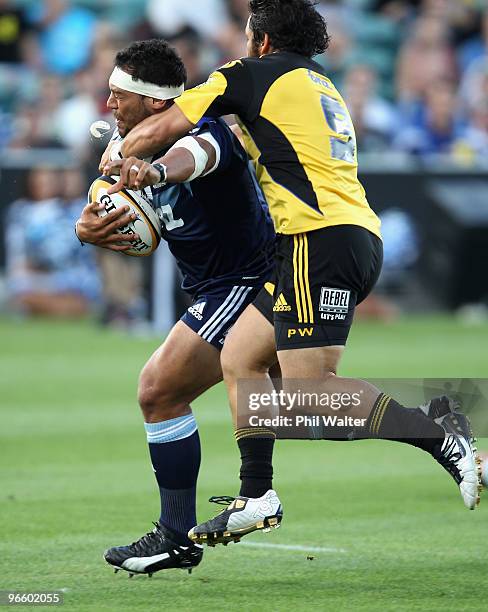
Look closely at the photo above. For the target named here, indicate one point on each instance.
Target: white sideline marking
(294, 547)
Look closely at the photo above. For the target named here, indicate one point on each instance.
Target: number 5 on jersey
(342, 147)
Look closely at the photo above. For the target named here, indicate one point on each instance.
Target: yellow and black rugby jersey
(299, 135)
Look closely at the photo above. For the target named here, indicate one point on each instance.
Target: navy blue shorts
(212, 314)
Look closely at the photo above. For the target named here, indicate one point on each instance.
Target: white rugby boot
(457, 455)
(242, 515)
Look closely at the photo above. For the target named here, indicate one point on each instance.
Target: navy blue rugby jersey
(218, 227)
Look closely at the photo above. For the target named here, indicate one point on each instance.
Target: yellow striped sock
(254, 432)
(378, 412)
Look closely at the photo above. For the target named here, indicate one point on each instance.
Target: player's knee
(156, 398)
(148, 397)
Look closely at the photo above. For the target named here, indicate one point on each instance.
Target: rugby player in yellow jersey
(300, 137)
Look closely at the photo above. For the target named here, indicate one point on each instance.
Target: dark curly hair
(153, 61)
(292, 25)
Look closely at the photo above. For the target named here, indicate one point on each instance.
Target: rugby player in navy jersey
(299, 134)
(217, 226)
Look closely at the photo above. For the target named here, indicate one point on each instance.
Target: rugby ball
(147, 223)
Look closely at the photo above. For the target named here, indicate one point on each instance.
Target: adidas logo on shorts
(281, 305)
(197, 310)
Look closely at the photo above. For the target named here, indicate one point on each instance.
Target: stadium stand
(414, 74)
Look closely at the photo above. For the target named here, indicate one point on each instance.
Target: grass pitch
(383, 525)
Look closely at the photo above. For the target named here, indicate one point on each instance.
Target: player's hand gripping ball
(147, 224)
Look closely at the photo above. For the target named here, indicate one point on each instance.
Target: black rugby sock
(256, 446)
(389, 420)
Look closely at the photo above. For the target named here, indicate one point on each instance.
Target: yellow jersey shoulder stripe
(195, 106)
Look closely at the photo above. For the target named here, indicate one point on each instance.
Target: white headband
(125, 81)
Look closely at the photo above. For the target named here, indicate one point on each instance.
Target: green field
(385, 524)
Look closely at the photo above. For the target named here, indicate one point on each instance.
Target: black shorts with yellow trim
(320, 278)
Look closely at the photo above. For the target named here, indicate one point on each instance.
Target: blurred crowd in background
(414, 74)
